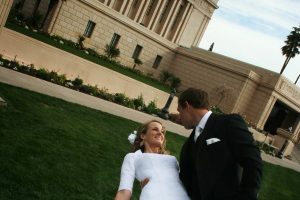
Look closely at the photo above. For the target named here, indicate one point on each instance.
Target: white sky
(254, 31)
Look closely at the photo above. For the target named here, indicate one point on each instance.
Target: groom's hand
(144, 182)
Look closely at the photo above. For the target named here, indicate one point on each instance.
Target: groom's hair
(195, 97)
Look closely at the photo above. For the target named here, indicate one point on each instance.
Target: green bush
(175, 82)
(216, 110)
(111, 51)
(151, 108)
(120, 98)
(89, 89)
(139, 102)
(77, 82)
(165, 76)
(43, 74)
(104, 94)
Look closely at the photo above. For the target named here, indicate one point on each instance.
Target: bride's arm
(123, 195)
(127, 178)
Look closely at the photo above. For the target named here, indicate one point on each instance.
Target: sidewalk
(34, 84)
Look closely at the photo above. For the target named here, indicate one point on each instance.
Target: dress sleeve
(127, 173)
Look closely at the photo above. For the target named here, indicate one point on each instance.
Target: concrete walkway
(37, 85)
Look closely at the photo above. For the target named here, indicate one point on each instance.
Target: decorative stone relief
(290, 91)
(203, 5)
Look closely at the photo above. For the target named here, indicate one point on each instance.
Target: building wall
(5, 7)
(30, 51)
(74, 16)
(156, 25)
(196, 68)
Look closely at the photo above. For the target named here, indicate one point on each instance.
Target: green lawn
(52, 149)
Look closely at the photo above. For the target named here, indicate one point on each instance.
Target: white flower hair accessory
(132, 137)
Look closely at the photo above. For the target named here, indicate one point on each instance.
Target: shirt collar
(204, 119)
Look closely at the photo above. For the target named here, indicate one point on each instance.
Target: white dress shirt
(199, 128)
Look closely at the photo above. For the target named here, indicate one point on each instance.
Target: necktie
(198, 131)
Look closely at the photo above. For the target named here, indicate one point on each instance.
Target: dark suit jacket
(228, 169)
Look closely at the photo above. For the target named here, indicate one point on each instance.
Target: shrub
(174, 82)
(103, 93)
(151, 108)
(165, 76)
(43, 74)
(216, 110)
(111, 51)
(138, 62)
(77, 82)
(89, 89)
(139, 102)
(120, 98)
(81, 38)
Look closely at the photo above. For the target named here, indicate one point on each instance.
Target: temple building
(164, 35)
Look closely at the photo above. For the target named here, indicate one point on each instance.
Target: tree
(291, 47)
(137, 62)
(111, 51)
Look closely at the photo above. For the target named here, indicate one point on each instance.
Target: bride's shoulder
(132, 155)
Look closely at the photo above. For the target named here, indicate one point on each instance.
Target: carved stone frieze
(290, 91)
(204, 5)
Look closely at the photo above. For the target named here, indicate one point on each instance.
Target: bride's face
(154, 136)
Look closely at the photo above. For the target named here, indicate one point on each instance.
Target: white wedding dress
(162, 172)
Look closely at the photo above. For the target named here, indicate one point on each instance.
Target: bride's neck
(151, 149)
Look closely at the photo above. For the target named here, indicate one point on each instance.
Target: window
(115, 40)
(157, 61)
(137, 52)
(89, 28)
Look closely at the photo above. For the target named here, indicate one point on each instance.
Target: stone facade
(158, 26)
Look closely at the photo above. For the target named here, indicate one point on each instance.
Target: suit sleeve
(247, 155)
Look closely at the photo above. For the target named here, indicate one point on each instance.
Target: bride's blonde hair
(138, 142)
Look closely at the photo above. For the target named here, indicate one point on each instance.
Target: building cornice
(207, 7)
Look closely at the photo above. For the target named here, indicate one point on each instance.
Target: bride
(149, 160)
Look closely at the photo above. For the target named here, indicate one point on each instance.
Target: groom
(219, 160)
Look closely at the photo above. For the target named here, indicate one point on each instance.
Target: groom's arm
(247, 155)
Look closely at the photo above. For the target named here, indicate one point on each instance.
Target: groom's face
(185, 116)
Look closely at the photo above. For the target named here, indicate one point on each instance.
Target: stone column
(139, 10)
(55, 15)
(144, 11)
(158, 14)
(265, 114)
(128, 7)
(154, 13)
(182, 20)
(112, 2)
(105, 2)
(172, 19)
(168, 17)
(200, 31)
(4, 11)
(190, 10)
(123, 6)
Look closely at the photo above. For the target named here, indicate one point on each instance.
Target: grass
(123, 70)
(52, 149)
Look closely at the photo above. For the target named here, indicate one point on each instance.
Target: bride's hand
(144, 182)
